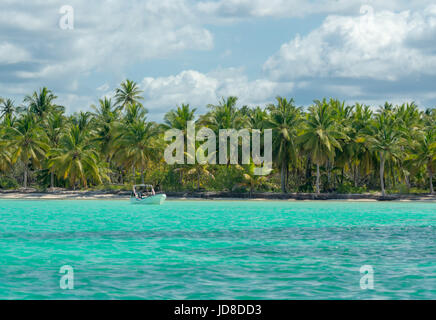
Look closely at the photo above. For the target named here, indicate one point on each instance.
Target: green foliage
(348, 188)
(329, 147)
(8, 183)
(112, 187)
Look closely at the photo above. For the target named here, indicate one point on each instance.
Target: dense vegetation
(329, 147)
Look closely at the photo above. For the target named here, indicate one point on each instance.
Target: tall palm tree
(76, 158)
(179, 118)
(41, 103)
(424, 153)
(82, 120)
(106, 116)
(357, 153)
(224, 115)
(54, 130)
(28, 142)
(408, 117)
(7, 108)
(135, 112)
(258, 118)
(5, 156)
(129, 92)
(343, 115)
(139, 143)
(321, 136)
(385, 138)
(284, 120)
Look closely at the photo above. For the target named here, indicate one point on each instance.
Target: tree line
(327, 147)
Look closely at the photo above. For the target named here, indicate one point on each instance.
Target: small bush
(348, 188)
(8, 183)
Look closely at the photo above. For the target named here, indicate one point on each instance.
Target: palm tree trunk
(318, 191)
(308, 168)
(25, 177)
(283, 176)
(393, 176)
(51, 179)
(382, 173)
(407, 181)
(430, 175)
(356, 174)
(142, 174)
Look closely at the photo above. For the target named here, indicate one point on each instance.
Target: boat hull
(158, 199)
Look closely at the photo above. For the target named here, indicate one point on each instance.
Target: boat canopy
(143, 185)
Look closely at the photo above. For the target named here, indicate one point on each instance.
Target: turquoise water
(217, 250)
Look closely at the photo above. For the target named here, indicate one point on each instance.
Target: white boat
(148, 196)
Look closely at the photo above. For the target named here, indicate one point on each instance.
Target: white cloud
(377, 45)
(199, 89)
(350, 55)
(298, 8)
(10, 53)
(106, 37)
(103, 87)
(75, 102)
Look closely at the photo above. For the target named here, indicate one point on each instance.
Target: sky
(196, 52)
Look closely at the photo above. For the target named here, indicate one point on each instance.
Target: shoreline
(204, 196)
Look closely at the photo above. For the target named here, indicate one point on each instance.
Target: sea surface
(217, 250)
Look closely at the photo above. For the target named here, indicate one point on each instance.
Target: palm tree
(7, 108)
(106, 116)
(357, 153)
(424, 153)
(128, 93)
(321, 136)
(199, 171)
(343, 115)
(76, 158)
(82, 120)
(5, 156)
(225, 115)
(41, 103)
(28, 142)
(258, 118)
(135, 112)
(250, 180)
(285, 120)
(409, 119)
(139, 143)
(179, 118)
(385, 138)
(54, 129)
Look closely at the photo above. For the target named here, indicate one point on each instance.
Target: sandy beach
(124, 195)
